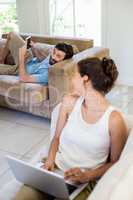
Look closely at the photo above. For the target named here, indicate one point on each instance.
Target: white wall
(118, 35)
(33, 16)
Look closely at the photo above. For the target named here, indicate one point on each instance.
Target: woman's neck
(95, 100)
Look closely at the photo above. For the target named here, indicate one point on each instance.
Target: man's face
(56, 56)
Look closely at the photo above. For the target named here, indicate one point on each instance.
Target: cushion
(123, 190)
(129, 120)
(42, 50)
(129, 145)
(27, 93)
(112, 178)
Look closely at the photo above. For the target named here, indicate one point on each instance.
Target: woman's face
(78, 83)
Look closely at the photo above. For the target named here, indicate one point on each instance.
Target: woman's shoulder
(116, 115)
(117, 120)
(69, 101)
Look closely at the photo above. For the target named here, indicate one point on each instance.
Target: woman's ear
(85, 78)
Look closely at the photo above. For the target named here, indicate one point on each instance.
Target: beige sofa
(105, 188)
(35, 98)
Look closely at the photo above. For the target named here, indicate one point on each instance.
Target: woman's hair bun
(109, 68)
(102, 73)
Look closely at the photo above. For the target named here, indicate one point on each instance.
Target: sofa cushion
(42, 50)
(123, 190)
(129, 120)
(28, 93)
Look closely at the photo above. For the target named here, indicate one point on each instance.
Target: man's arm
(24, 77)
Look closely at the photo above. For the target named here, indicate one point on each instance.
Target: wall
(117, 27)
(33, 16)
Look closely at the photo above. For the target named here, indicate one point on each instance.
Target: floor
(22, 135)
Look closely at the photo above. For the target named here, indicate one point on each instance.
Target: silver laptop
(52, 183)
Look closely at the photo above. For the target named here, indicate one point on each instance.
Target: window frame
(7, 2)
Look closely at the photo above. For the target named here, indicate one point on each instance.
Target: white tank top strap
(106, 117)
(77, 106)
(110, 110)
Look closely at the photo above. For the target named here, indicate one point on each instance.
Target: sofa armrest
(61, 74)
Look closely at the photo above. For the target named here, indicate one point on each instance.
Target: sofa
(38, 99)
(106, 187)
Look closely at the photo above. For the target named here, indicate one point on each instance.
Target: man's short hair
(66, 48)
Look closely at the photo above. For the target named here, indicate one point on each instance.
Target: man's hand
(77, 175)
(27, 55)
(32, 43)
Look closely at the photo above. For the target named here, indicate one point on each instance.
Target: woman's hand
(77, 175)
(49, 165)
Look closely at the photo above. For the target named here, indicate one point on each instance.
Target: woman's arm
(62, 118)
(66, 107)
(118, 137)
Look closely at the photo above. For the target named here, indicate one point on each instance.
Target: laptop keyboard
(71, 188)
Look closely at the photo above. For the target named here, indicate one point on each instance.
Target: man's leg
(5, 51)
(13, 44)
(27, 193)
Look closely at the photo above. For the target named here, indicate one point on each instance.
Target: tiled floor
(22, 135)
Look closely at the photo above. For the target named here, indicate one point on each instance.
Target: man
(31, 69)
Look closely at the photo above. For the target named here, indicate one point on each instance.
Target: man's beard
(52, 61)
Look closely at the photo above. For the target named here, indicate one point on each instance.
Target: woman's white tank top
(82, 144)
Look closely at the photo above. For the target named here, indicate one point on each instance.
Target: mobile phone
(28, 39)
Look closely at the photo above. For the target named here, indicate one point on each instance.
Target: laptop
(52, 183)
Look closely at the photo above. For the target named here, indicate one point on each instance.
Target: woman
(90, 133)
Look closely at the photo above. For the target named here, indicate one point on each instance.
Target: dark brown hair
(66, 48)
(102, 73)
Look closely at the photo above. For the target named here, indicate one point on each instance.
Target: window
(8, 16)
(79, 18)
